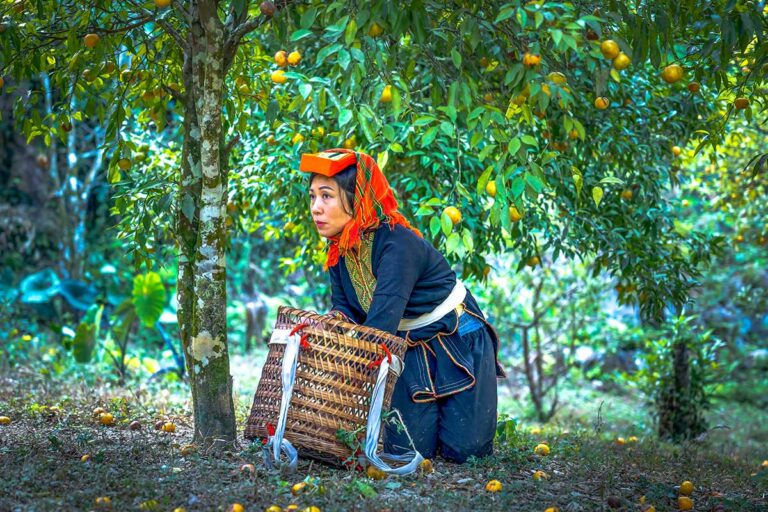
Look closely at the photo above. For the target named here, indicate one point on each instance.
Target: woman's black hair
(346, 179)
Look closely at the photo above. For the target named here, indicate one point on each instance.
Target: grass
(41, 450)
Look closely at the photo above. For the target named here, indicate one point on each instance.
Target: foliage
(684, 396)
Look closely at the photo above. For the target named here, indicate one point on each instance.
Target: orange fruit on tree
(626, 194)
(557, 77)
(609, 48)
(376, 30)
(493, 486)
(684, 503)
(162, 4)
(386, 94)
(514, 214)
(601, 102)
(453, 213)
(350, 142)
(490, 188)
(530, 60)
(278, 76)
(91, 40)
(686, 488)
(573, 134)
(676, 150)
(694, 87)
(488, 97)
(741, 103)
(294, 58)
(281, 58)
(672, 73)
(2, 82)
(124, 164)
(297, 138)
(622, 61)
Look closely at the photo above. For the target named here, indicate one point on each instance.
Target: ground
(52, 427)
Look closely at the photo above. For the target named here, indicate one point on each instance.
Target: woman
(385, 275)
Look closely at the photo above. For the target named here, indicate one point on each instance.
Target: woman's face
(327, 204)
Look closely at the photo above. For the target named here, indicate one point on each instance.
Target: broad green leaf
(148, 297)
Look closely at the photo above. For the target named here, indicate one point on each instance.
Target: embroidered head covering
(374, 203)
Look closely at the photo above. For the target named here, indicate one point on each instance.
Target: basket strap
(411, 459)
(277, 442)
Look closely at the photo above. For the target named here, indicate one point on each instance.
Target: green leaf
(456, 58)
(300, 34)
(505, 13)
(345, 116)
(534, 181)
(308, 18)
(84, 342)
(446, 224)
(350, 32)
(514, 146)
(518, 185)
(434, 226)
(305, 90)
(452, 244)
(597, 195)
(148, 297)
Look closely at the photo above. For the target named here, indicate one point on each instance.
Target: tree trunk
(202, 231)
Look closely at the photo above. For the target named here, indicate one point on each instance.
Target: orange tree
(505, 127)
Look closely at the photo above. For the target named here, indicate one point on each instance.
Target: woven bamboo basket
(333, 386)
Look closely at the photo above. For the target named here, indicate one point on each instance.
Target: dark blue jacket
(397, 274)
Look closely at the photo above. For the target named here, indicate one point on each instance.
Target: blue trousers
(455, 426)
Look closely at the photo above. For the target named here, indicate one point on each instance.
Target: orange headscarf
(374, 203)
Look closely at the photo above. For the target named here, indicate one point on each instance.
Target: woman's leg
(467, 420)
(420, 418)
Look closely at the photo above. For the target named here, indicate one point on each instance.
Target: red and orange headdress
(374, 200)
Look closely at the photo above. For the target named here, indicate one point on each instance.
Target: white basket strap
(277, 442)
(373, 429)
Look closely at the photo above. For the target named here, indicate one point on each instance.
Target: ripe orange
(162, 4)
(297, 489)
(684, 503)
(168, 427)
(488, 97)
(622, 61)
(386, 94)
(106, 418)
(539, 474)
(490, 188)
(426, 466)
(273, 508)
(5, 420)
(278, 76)
(103, 502)
(676, 150)
(453, 213)
(294, 58)
(530, 60)
(602, 103)
(609, 49)
(281, 58)
(493, 486)
(2, 82)
(741, 103)
(694, 87)
(672, 73)
(376, 30)
(91, 40)
(557, 77)
(626, 194)
(686, 488)
(297, 138)
(514, 214)
(573, 134)
(236, 507)
(350, 143)
(375, 473)
(542, 448)
(632, 439)
(124, 164)
(621, 441)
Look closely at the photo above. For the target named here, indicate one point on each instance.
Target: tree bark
(202, 231)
